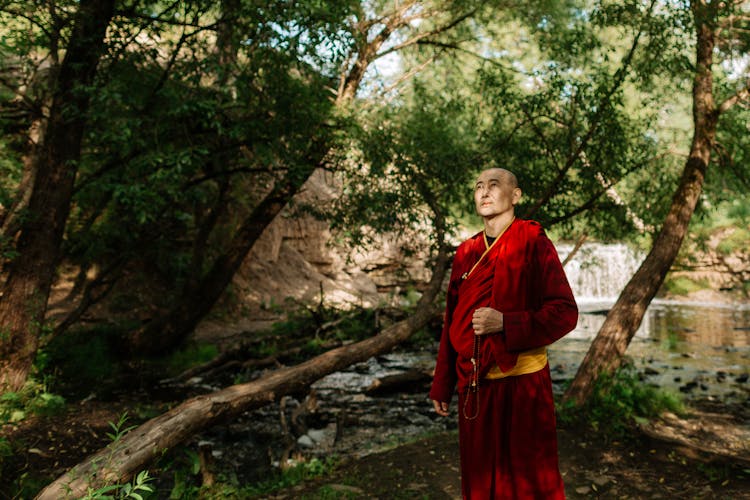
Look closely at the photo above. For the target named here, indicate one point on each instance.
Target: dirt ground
(592, 465)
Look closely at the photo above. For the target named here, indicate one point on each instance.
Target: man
(508, 298)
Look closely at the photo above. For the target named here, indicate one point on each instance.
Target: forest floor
(593, 464)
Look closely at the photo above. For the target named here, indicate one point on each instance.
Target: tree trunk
(607, 349)
(25, 293)
(121, 460)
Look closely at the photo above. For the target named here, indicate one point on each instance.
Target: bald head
(501, 174)
(495, 195)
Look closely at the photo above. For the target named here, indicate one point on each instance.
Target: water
(700, 350)
(697, 348)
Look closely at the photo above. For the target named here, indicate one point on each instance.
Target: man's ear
(516, 195)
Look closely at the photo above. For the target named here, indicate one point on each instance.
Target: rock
(650, 371)
(305, 441)
(583, 490)
(601, 480)
(688, 387)
(343, 488)
(317, 435)
(742, 378)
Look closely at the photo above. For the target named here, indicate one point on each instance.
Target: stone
(305, 441)
(317, 435)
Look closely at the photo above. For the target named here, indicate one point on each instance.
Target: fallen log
(122, 459)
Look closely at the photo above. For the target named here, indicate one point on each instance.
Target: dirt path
(591, 468)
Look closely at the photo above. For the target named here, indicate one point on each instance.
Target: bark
(121, 460)
(608, 348)
(25, 293)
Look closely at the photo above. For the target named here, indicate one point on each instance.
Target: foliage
(136, 489)
(620, 401)
(32, 399)
(189, 356)
(119, 429)
(289, 476)
(324, 322)
(682, 285)
(82, 358)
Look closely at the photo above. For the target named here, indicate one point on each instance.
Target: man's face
(495, 193)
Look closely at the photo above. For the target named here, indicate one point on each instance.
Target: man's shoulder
(529, 227)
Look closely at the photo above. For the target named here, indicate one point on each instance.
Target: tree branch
(604, 104)
(726, 105)
(417, 38)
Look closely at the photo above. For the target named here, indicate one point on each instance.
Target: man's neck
(495, 225)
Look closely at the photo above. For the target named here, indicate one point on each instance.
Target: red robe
(510, 449)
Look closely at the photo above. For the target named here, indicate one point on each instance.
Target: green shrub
(683, 285)
(291, 476)
(192, 355)
(619, 401)
(83, 358)
(33, 398)
(735, 241)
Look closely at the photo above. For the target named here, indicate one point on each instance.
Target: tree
(712, 22)
(407, 23)
(53, 163)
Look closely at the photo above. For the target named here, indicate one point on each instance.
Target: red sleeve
(555, 312)
(445, 378)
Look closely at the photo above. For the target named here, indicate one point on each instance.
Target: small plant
(134, 489)
(119, 428)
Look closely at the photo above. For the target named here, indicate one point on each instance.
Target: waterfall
(599, 272)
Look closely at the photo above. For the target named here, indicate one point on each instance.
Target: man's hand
(487, 320)
(441, 408)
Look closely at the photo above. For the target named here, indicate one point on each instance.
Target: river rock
(305, 441)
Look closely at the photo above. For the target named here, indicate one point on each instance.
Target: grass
(189, 356)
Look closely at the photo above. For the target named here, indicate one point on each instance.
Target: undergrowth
(620, 401)
(32, 399)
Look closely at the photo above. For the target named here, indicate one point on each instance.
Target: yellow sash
(528, 362)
